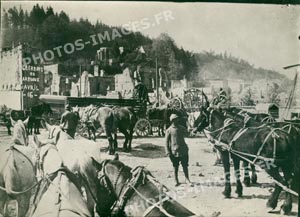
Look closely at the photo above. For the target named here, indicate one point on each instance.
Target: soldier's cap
(173, 117)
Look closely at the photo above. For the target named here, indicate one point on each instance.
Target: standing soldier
(176, 148)
(69, 121)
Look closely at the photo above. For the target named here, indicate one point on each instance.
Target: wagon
(143, 126)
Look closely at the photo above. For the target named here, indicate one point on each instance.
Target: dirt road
(205, 198)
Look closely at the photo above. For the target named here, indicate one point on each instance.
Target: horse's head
(216, 119)
(202, 121)
(45, 162)
(108, 176)
(53, 131)
(20, 135)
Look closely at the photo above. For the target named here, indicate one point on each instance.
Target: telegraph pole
(156, 81)
(80, 80)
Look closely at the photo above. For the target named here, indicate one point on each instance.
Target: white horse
(17, 172)
(77, 157)
(59, 194)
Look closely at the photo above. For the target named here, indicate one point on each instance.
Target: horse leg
(37, 126)
(274, 172)
(286, 207)
(253, 175)
(130, 138)
(226, 166)
(89, 132)
(94, 133)
(110, 144)
(115, 142)
(124, 131)
(246, 173)
(8, 129)
(236, 165)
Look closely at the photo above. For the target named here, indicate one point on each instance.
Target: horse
(125, 120)
(36, 113)
(96, 117)
(17, 171)
(260, 117)
(110, 119)
(77, 157)
(270, 148)
(5, 116)
(163, 113)
(59, 194)
(134, 192)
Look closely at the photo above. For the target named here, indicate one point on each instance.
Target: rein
(49, 178)
(139, 177)
(242, 155)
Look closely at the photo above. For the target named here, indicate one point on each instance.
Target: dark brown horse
(164, 113)
(133, 192)
(35, 114)
(125, 120)
(270, 148)
(95, 117)
(110, 119)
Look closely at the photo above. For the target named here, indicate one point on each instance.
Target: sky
(266, 36)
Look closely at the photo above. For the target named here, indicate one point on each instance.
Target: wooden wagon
(143, 127)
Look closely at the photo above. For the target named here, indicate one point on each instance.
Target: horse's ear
(26, 122)
(96, 164)
(36, 141)
(45, 125)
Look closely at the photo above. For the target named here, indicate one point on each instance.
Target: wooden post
(79, 80)
(156, 81)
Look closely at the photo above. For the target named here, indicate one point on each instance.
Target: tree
(5, 20)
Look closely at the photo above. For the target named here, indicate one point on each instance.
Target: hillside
(44, 29)
(221, 66)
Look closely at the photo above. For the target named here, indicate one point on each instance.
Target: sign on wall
(32, 79)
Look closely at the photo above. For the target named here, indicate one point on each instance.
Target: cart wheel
(155, 125)
(142, 127)
(176, 103)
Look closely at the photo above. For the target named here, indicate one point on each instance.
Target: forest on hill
(44, 29)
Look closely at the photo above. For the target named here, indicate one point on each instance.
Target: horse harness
(139, 177)
(47, 180)
(243, 155)
(17, 193)
(40, 162)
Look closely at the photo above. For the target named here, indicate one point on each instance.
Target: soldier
(140, 92)
(69, 121)
(176, 148)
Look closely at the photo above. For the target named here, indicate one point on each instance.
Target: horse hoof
(246, 182)
(272, 204)
(226, 194)
(285, 209)
(240, 194)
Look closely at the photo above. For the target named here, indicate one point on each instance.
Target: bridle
(47, 179)
(138, 177)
